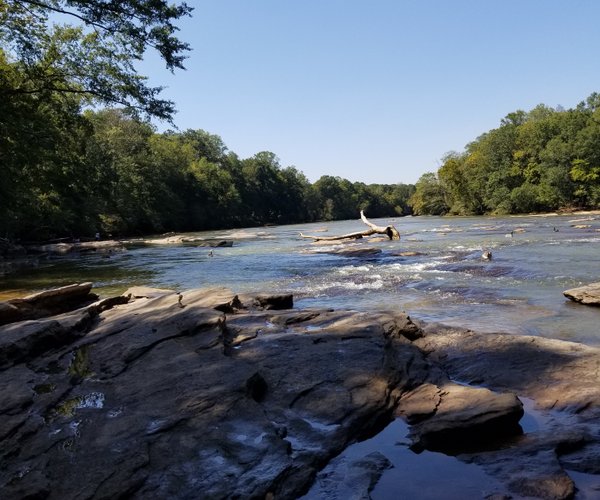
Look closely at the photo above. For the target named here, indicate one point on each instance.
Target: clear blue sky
(375, 91)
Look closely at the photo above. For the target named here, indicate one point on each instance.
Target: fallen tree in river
(390, 231)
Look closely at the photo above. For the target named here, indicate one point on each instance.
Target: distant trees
(429, 196)
(545, 159)
(72, 174)
(341, 199)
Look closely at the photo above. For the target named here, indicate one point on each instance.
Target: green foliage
(429, 196)
(542, 160)
(587, 182)
(74, 174)
(94, 58)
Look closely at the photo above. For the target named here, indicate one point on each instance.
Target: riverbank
(155, 393)
(560, 213)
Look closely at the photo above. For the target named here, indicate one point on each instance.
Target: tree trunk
(390, 231)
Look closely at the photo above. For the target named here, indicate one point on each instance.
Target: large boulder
(454, 418)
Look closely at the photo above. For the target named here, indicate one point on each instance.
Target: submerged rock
(354, 251)
(182, 239)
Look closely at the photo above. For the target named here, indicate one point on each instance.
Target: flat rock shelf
(207, 393)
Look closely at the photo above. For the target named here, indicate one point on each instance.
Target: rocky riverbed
(212, 394)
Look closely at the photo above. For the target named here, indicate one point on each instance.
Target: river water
(435, 273)
(445, 280)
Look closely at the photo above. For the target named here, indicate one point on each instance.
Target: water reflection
(425, 475)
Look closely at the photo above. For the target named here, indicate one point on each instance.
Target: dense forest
(79, 154)
(69, 173)
(542, 160)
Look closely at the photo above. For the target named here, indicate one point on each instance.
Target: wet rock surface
(588, 294)
(350, 478)
(205, 393)
(562, 381)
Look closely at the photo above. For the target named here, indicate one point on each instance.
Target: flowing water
(435, 273)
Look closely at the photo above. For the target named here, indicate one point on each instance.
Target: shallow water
(519, 291)
(433, 475)
(427, 475)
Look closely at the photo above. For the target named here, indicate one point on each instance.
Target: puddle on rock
(425, 475)
(533, 419)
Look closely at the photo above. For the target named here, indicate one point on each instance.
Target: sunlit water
(518, 291)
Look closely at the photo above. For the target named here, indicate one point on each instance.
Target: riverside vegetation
(70, 171)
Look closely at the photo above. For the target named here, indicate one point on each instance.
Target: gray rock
(158, 394)
(454, 418)
(104, 247)
(356, 252)
(588, 295)
(166, 398)
(282, 301)
(47, 303)
(350, 479)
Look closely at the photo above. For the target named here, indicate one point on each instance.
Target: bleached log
(390, 231)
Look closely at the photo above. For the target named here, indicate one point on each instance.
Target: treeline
(544, 160)
(68, 173)
(72, 174)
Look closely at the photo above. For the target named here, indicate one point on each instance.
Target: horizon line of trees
(72, 174)
(546, 159)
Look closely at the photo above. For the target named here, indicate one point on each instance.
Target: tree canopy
(89, 48)
(542, 160)
(113, 173)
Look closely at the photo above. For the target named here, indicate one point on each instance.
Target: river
(435, 273)
(445, 280)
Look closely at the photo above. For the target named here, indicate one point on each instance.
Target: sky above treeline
(375, 91)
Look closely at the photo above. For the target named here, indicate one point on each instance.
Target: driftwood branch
(390, 231)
